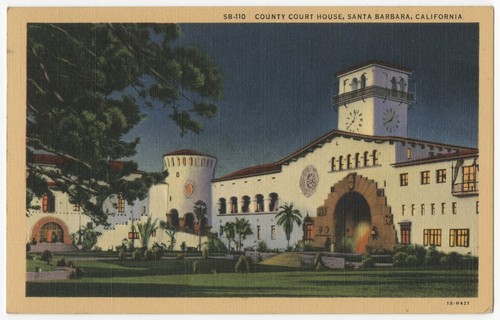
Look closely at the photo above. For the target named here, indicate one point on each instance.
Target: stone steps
(53, 247)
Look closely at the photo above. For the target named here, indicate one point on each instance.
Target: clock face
(354, 121)
(309, 180)
(390, 120)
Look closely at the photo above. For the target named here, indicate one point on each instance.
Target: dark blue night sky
(280, 81)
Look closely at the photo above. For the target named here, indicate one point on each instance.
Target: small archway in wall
(189, 220)
(50, 229)
(357, 209)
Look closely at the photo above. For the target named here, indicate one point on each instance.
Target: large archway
(353, 221)
(356, 210)
(50, 229)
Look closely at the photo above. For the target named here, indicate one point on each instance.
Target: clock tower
(374, 99)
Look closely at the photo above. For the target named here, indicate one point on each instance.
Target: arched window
(356, 160)
(394, 86)
(354, 84)
(172, 162)
(363, 81)
(341, 165)
(184, 161)
(349, 161)
(402, 84)
(334, 166)
(222, 206)
(51, 232)
(374, 157)
(259, 199)
(234, 205)
(273, 203)
(196, 162)
(189, 220)
(191, 162)
(245, 207)
(178, 162)
(202, 162)
(365, 159)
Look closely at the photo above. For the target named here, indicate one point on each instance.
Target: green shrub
(204, 253)
(180, 256)
(28, 247)
(345, 245)
(242, 265)
(444, 262)
(149, 254)
(420, 253)
(71, 264)
(47, 256)
(158, 252)
(196, 268)
(411, 260)
(76, 274)
(183, 246)
(368, 262)
(399, 259)
(262, 246)
(61, 262)
(432, 257)
(137, 255)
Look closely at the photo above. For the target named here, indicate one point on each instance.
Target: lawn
(174, 278)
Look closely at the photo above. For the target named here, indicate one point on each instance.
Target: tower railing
(373, 91)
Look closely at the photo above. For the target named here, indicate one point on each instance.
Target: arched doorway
(355, 209)
(353, 220)
(51, 232)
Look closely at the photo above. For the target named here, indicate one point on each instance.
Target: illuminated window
(469, 178)
(432, 237)
(441, 175)
(454, 208)
(76, 207)
(121, 204)
(48, 203)
(273, 232)
(309, 231)
(425, 177)
(403, 179)
(133, 235)
(405, 229)
(459, 237)
(408, 153)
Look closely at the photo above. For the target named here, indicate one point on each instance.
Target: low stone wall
(259, 256)
(59, 274)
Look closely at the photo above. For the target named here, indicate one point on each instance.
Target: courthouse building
(366, 181)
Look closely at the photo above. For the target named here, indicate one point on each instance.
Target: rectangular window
(333, 164)
(441, 176)
(258, 232)
(48, 203)
(309, 231)
(422, 209)
(432, 237)
(121, 205)
(433, 208)
(459, 237)
(408, 153)
(403, 179)
(469, 178)
(425, 177)
(405, 236)
(443, 208)
(133, 235)
(477, 207)
(454, 207)
(273, 232)
(403, 210)
(76, 207)
(412, 209)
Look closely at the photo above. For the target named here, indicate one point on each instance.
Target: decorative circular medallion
(188, 188)
(309, 180)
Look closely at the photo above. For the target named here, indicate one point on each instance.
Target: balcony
(373, 91)
(465, 189)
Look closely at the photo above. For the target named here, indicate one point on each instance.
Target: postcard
(255, 159)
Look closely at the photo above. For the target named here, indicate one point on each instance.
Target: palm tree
(230, 231)
(242, 229)
(170, 231)
(200, 210)
(146, 230)
(287, 217)
(89, 236)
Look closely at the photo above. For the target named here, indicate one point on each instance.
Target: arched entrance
(352, 221)
(356, 210)
(51, 230)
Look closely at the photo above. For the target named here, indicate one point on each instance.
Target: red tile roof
(187, 152)
(50, 159)
(464, 153)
